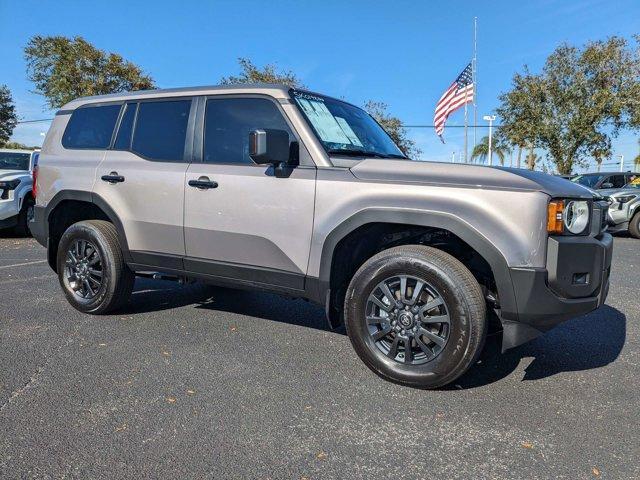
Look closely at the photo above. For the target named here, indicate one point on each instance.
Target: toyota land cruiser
(267, 187)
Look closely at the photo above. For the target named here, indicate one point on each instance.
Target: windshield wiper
(363, 153)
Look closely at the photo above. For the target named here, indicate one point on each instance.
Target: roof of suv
(274, 89)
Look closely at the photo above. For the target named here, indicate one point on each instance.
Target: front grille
(599, 217)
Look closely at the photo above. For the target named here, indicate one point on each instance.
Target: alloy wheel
(408, 319)
(83, 271)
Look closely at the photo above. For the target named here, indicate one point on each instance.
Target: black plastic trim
(444, 221)
(224, 273)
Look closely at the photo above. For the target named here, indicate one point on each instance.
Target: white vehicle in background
(16, 185)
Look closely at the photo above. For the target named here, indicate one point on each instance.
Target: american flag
(458, 94)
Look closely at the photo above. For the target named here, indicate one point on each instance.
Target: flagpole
(475, 83)
(466, 124)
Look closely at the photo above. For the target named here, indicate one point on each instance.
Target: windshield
(587, 180)
(344, 129)
(14, 161)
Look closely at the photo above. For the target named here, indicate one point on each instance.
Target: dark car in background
(604, 180)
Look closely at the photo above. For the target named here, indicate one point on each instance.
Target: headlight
(9, 184)
(568, 217)
(576, 216)
(625, 198)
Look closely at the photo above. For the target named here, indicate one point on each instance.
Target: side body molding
(444, 221)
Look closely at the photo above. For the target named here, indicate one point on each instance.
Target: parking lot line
(22, 264)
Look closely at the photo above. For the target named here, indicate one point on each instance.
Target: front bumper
(9, 210)
(574, 282)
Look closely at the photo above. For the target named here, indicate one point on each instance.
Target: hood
(11, 174)
(458, 174)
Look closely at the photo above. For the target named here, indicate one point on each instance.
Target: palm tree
(481, 151)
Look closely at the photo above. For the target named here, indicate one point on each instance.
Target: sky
(403, 53)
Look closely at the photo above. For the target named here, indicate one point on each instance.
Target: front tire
(416, 316)
(634, 225)
(91, 268)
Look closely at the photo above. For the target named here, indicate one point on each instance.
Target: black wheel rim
(408, 319)
(83, 272)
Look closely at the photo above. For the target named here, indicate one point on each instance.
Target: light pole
(621, 162)
(490, 119)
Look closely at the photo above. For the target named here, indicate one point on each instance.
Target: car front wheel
(91, 268)
(416, 316)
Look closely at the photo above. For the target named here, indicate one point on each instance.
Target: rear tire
(634, 225)
(91, 268)
(425, 347)
(26, 213)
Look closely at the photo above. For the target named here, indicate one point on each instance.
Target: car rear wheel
(416, 316)
(634, 225)
(91, 268)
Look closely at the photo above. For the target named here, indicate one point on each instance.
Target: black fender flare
(98, 201)
(445, 221)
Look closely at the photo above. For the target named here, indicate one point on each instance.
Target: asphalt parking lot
(196, 381)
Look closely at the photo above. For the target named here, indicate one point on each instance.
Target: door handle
(113, 177)
(203, 183)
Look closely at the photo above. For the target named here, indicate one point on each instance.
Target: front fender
(444, 221)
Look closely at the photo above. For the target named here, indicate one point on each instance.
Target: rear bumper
(575, 282)
(38, 225)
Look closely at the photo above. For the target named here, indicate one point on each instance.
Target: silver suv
(16, 197)
(266, 187)
(624, 207)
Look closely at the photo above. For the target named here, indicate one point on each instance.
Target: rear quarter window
(91, 127)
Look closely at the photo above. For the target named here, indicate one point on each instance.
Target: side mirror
(269, 146)
(606, 185)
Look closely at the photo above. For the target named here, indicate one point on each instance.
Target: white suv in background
(16, 184)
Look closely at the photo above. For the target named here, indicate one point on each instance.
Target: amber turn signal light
(554, 219)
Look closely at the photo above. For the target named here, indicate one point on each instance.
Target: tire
(445, 280)
(26, 212)
(115, 280)
(634, 225)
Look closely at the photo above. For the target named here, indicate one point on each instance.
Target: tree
(8, 117)
(249, 73)
(66, 68)
(498, 148)
(580, 100)
(393, 126)
(636, 161)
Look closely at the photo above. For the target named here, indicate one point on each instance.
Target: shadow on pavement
(157, 295)
(583, 343)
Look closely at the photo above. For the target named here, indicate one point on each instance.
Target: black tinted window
(161, 129)
(617, 181)
(91, 127)
(228, 123)
(123, 139)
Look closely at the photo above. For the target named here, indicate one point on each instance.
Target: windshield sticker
(348, 131)
(326, 125)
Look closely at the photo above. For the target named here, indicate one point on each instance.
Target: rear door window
(91, 127)
(161, 130)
